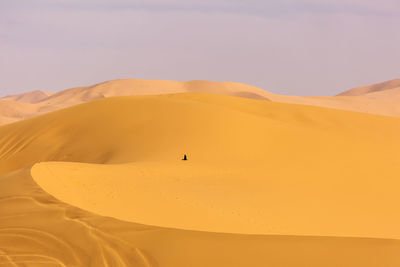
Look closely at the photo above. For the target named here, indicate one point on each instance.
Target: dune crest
(126, 87)
(44, 102)
(378, 87)
(12, 111)
(382, 99)
(29, 97)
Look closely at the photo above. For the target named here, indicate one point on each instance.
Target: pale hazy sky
(303, 47)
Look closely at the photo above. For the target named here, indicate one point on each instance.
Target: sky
(294, 47)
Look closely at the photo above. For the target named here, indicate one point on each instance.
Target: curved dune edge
(220, 199)
(37, 229)
(215, 127)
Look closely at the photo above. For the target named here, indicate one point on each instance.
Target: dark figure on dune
(184, 157)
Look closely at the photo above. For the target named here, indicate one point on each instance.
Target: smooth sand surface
(382, 98)
(247, 199)
(29, 97)
(378, 87)
(127, 87)
(12, 111)
(387, 104)
(34, 103)
(39, 230)
(266, 184)
(389, 94)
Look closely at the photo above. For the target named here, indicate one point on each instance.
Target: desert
(109, 179)
(212, 133)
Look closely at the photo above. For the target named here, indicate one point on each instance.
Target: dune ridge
(126, 87)
(11, 111)
(29, 97)
(378, 87)
(381, 98)
(44, 102)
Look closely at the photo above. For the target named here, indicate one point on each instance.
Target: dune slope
(380, 98)
(37, 102)
(11, 111)
(29, 97)
(378, 87)
(299, 185)
(388, 106)
(290, 149)
(126, 87)
(39, 230)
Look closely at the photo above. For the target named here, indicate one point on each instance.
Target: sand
(386, 105)
(38, 230)
(382, 98)
(12, 111)
(34, 103)
(29, 97)
(266, 184)
(378, 87)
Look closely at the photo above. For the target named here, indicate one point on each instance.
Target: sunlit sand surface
(382, 98)
(265, 184)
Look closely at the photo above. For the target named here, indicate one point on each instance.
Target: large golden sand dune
(265, 184)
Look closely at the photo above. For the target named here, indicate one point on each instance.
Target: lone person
(184, 157)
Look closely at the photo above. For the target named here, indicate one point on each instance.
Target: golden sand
(382, 98)
(265, 184)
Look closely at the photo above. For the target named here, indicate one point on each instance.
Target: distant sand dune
(43, 102)
(382, 99)
(29, 97)
(11, 111)
(388, 106)
(379, 87)
(126, 87)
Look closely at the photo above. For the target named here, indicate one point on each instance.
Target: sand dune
(38, 230)
(192, 120)
(266, 184)
(382, 99)
(43, 102)
(388, 106)
(372, 88)
(29, 97)
(269, 143)
(11, 111)
(389, 94)
(126, 87)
